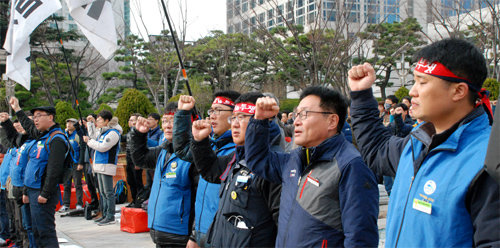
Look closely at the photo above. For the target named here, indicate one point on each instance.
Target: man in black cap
(47, 168)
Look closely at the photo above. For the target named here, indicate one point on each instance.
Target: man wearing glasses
(207, 195)
(41, 190)
(329, 196)
(248, 202)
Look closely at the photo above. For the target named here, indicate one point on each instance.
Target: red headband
(439, 70)
(223, 101)
(245, 108)
(169, 113)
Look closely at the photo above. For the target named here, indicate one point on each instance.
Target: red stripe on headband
(223, 101)
(437, 69)
(169, 113)
(245, 108)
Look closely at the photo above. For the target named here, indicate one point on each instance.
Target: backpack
(68, 161)
(142, 196)
(120, 192)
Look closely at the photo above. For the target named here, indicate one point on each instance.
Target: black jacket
(242, 194)
(55, 165)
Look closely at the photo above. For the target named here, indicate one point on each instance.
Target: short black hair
(136, 114)
(402, 105)
(93, 115)
(330, 100)
(407, 98)
(170, 108)
(250, 97)
(156, 116)
(231, 94)
(106, 115)
(460, 57)
(15, 121)
(393, 98)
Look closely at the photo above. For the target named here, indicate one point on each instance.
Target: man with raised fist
(329, 196)
(248, 202)
(170, 200)
(442, 196)
(207, 195)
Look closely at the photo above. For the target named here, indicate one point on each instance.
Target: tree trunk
(383, 85)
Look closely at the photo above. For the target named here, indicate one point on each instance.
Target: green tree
(492, 85)
(64, 111)
(133, 101)
(402, 92)
(389, 40)
(102, 107)
(287, 105)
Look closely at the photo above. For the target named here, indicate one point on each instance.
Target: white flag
(95, 20)
(25, 16)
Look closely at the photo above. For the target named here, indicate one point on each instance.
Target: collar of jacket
(222, 140)
(154, 130)
(426, 130)
(167, 145)
(323, 152)
(50, 129)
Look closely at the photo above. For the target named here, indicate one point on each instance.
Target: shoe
(106, 222)
(99, 219)
(63, 209)
(131, 205)
(79, 207)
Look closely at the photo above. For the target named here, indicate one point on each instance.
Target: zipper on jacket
(404, 212)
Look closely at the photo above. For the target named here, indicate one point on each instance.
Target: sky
(202, 16)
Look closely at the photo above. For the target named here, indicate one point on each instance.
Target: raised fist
(90, 118)
(201, 130)
(4, 116)
(14, 103)
(398, 110)
(266, 107)
(186, 102)
(361, 77)
(142, 125)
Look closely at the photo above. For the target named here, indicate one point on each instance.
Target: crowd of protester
(252, 176)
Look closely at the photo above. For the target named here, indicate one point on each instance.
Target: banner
(95, 20)
(25, 16)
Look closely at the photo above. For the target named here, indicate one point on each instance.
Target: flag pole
(183, 69)
(69, 69)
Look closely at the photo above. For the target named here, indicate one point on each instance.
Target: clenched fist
(186, 103)
(361, 77)
(266, 107)
(14, 103)
(201, 130)
(142, 125)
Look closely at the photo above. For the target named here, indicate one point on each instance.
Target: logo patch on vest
(429, 187)
(173, 166)
(293, 173)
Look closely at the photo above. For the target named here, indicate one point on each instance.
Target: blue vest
(5, 167)
(18, 165)
(110, 156)
(428, 209)
(207, 194)
(38, 157)
(170, 199)
(75, 145)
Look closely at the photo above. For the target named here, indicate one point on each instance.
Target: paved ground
(76, 232)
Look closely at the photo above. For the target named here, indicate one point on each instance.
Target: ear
(460, 91)
(333, 122)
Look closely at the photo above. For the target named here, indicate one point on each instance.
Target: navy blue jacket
(329, 196)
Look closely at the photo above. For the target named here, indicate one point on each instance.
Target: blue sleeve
(152, 143)
(379, 148)
(258, 155)
(358, 195)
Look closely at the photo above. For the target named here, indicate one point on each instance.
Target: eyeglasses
(38, 116)
(217, 111)
(240, 118)
(303, 114)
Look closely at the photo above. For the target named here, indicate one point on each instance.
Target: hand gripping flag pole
(195, 112)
